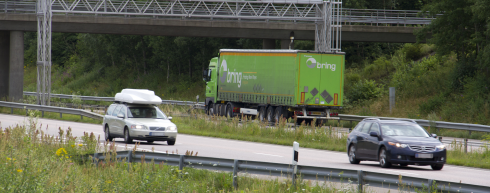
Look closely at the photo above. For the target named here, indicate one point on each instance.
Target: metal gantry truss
(325, 15)
(44, 15)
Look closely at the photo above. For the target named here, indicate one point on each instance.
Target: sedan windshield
(146, 112)
(408, 130)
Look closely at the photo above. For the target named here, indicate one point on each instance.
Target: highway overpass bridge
(269, 20)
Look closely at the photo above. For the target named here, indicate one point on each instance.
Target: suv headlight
(139, 127)
(441, 147)
(172, 128)
(401, 145)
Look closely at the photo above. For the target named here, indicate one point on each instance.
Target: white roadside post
(295, 161)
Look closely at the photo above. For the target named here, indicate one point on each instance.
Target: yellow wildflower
(80, 145)
(108, 181)
(19, 170)
(72, 145)
(61, 152)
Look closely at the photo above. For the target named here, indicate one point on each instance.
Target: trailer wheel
(279, 114)
(262, 114)
(270, 114)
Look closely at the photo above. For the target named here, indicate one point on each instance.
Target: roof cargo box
(138, 96)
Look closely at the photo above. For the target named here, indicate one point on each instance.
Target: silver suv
(138, 121)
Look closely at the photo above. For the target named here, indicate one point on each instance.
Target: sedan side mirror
(169, 118)
(434, 135)
(374, 134)
(120, 115)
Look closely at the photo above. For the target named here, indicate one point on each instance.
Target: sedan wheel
(382, 159)
(352, 155)
(437, 166)
(127, 138)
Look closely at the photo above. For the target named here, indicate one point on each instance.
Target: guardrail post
(96, 159)
(235, 174)
(27, 114)
(81, 117)
(181, 162)
(360, 180)
(61, 115)
(42, 113)
(130, 155)
(295, 161)
(11, 110)
(429, 185)
(465, 145)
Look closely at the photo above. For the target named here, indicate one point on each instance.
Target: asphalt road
(234, 149)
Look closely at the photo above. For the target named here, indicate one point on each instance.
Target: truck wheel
(278, 114)
(229, 110)
(209, 109)
(270, 114)
(218, 110)
(262, 114)
(223, 110)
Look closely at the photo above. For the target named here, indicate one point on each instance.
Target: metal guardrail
(425, 123)
(343, 117)
(358, 177)
(61, 110)
(268, 11)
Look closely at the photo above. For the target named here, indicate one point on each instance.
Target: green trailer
(275, 83)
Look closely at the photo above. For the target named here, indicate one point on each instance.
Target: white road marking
(268, 154)
(394, 171)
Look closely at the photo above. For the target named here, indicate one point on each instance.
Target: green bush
(380, 68)
(432, 105)
(365, 90)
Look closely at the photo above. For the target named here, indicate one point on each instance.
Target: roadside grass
(479, 158)
(36, 162)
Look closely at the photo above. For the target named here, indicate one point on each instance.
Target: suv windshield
(146, 112)
(408, 130)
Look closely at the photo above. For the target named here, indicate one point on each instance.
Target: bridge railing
(268, 11)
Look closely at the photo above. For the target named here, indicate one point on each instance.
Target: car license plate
(156, 134)
(424, 155)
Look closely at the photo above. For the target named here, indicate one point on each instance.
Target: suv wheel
(108, 136)
(383, 160)
(127, 137)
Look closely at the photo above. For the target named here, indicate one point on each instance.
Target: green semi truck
(271, 84)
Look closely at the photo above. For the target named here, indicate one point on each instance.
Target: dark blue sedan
(395, 142)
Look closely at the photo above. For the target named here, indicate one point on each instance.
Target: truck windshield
(146, 112)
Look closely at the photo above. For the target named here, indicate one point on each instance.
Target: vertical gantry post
(328, 30)
(44, 52)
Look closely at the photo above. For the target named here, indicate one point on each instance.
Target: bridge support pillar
(16, 72)
(269, 44)
(4, 63)
(285, 44)
(11, 65)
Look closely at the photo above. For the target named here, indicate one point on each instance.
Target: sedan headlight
(172, 128)
(139, 127)
(401, 145)
(441, 147)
